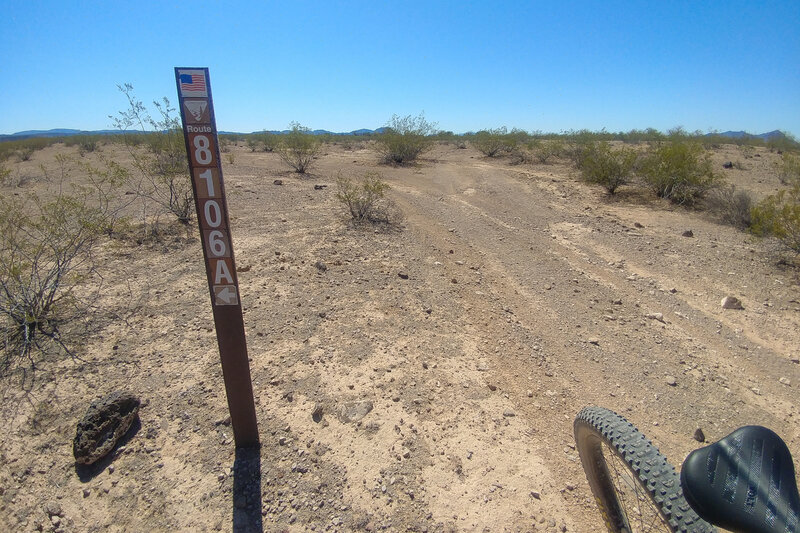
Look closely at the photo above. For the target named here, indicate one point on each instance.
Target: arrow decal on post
(225, 295)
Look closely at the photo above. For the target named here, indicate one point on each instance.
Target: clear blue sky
(537, 65)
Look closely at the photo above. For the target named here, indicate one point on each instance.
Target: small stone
(319, 187)
(492, 387)
(482, 366)
(535, 494)
(671, 381)
(731, 302)
(687, 233)
(354, 411)
(638, 225)
(53, 509)
(322, 267)
(316, 414)
(403, 275)
(55, 520)
(594, 340)
(86, 493)
(656, 316)
(785, 381)
(699, 436)
(509, 413)
(529, 393)
(277, 182)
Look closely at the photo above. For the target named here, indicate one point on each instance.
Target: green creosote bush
(45, 255)
(493, 141)
(543, 150)
(603, 165)
(405, 139)
(365, 200)
(778, 216)
(679, 171)
(732, 206)
(789, 168)
(163, 167)
(299, 147)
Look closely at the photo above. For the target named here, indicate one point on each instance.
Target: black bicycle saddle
(744, 483)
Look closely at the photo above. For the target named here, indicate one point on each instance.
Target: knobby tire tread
(656, 475)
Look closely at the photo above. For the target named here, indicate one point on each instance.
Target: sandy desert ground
(510, 297)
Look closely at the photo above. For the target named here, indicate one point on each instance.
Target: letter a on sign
(202, 148)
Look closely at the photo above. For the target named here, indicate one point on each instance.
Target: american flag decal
(193, 82)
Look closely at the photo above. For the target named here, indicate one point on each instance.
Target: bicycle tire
(618, 459)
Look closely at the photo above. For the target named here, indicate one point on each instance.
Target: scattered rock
(727, 164)
(535, 494)
(319, 187)
(687, 233)
(656, 316)
(699, 436)
(492, 387)
(53, 509)
(529, 393)
(731, 302)
(103, 425)
(785, 381)
(636, 224)
(671, 381)
(245, 268)
(277, 182)
(403, 275)
(322, 267)
(354, 411)
(509, 413)
(594, 340)
(316, 414)
(86, 493)
(482, 366)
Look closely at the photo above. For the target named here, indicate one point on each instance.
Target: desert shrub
(491, 142)
(269, 141)
(603, 165)
(782, 143)
(789, 168)
(405, 138)
(5, 172)
(542, 150)
(299, 147)
(253, 143)
(162, 165)
(365, 200)
(85, 143)
(679, 171)
(731, 206)
(778, 216)
(25, 153)
(45, 254)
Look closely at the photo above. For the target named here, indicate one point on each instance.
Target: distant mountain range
(775, 134)
(63, 132)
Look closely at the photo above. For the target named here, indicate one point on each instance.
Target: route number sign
(202, 149)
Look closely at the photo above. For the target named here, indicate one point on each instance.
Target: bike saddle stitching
(744, 483)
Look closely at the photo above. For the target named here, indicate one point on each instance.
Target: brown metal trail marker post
(202, 148)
